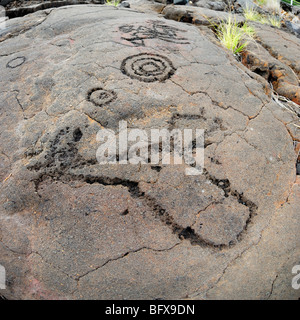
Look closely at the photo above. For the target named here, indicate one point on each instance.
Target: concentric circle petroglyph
(100, 97)
(148, 67)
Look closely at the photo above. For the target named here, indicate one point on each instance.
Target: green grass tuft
(261, 2)
(232, 36)
(274, 21)
(114, 3)
(251, 14)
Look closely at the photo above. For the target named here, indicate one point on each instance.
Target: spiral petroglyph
(148, 67)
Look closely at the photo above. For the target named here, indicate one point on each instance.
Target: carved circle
(16, 62)
(148, 67)
(101, 97)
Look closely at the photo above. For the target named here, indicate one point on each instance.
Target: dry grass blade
(288, 105)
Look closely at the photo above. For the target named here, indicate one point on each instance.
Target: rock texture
(283, 78)
(74, 229)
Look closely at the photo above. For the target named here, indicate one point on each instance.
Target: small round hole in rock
(77, 135)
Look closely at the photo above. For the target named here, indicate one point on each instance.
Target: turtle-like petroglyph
(148, 67)
(137, 35)
(16, 62)
(101, 97)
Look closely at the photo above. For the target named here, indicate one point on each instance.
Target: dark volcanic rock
(214, 5)
(295, 28)
(74, 229)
